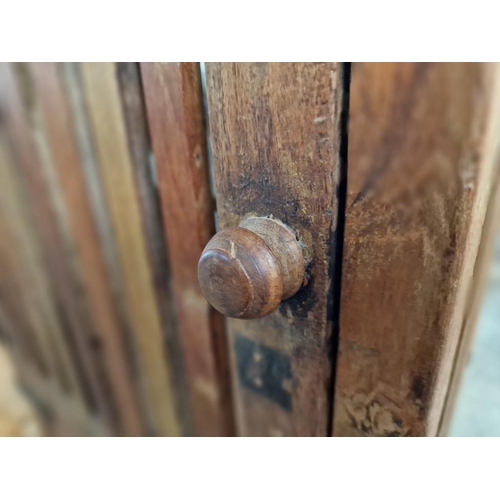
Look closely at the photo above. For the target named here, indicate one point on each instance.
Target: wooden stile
(106, 115)
(143, 164)
(175, 112)
(276, 133)
(420, 164)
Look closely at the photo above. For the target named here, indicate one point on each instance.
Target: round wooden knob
(246, 271)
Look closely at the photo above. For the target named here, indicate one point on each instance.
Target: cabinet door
(278, 139)
(347, 212)
(389, 210)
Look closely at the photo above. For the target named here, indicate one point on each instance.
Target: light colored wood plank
(102, 94)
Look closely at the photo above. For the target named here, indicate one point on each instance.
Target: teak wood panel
(102, 92)
(419, 169)
(57, 122)
(276, 136)
(174, 102)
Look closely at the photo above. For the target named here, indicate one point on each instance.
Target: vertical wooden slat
(72, 81)
(33, 170)
(70, 176)
(276, 138)
(175, 111)
(103, 98)
(419, 169)
(133, 105)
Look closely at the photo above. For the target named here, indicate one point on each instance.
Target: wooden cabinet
(355, 205)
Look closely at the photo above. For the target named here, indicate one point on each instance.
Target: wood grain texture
(419, 167)
(106, 115)
(33, 157)
(175, 114)
(276, 138)
(69, 172)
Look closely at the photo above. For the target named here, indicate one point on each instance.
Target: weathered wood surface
(419, 169)
(175, 113)
(69, 172)
(102, 93)
(20, 109)
(276, 138)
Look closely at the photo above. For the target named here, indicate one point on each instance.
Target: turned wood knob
(246, 271)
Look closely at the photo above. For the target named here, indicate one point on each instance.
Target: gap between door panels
(339, 238)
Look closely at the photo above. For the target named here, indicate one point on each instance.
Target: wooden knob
(246, 271)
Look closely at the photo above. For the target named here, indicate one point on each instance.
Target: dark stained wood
(57, 122)
(29, 143)
(102, 93)
(419, 168)
(245, 272)
(276, 138)
(175, 114)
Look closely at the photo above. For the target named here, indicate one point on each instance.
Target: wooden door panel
(276, 135)
(420, 164)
